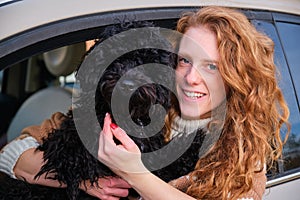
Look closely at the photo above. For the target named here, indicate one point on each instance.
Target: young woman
(238, 71)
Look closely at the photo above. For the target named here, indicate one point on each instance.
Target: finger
(103, 190)
(114, 192)
(114, 186)
(107, 121)
(125, 140)
(107, 136)
(118, 182)
(104, 135)
(106, 125)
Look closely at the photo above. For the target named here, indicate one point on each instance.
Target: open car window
(25, 55)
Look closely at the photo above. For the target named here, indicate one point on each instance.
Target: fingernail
(106, 114)
(113, 126)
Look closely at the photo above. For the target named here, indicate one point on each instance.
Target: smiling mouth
(194, 95)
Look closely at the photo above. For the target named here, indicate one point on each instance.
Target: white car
(41, 43)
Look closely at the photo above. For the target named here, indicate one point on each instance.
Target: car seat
(42, 104)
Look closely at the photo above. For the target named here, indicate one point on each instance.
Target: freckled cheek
(179, 77)
(217, 91)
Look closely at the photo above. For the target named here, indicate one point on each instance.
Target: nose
(193, 76)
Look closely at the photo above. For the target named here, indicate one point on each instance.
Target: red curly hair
(255, 108)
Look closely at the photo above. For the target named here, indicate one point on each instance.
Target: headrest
(63, 61)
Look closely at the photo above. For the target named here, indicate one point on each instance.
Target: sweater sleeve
(30, 137)
(258, 189)
(10, 153)
(255, 193)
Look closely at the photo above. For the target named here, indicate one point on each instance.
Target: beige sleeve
(30, 138)
(256, 193)
(259, 186)
(47, 126)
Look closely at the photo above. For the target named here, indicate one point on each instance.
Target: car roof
(23, 15)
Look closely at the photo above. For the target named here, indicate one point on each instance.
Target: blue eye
(183, 61)
(212, 67)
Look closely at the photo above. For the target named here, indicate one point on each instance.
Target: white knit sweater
(10, 153)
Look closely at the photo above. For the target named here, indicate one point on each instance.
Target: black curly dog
(67, 159)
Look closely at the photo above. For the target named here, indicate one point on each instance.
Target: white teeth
(193, 94)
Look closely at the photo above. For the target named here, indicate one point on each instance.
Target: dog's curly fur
(66, 158)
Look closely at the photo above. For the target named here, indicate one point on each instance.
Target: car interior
(46, 88)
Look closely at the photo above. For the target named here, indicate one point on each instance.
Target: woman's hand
(109, 188)
(124, 158)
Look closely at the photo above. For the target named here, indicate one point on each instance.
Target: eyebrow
(210, 61)
(206, 60)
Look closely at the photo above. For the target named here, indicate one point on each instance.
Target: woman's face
(200, 87)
